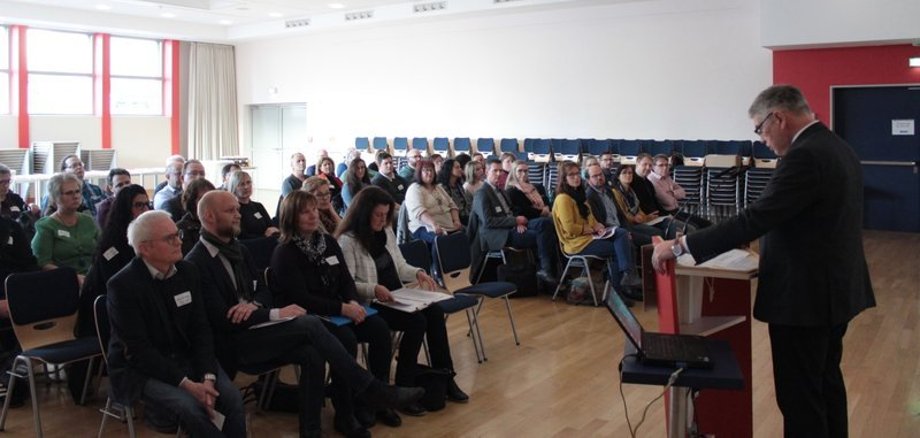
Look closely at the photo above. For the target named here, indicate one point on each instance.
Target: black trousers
(415, 326)
(809, 385)
(375, 332)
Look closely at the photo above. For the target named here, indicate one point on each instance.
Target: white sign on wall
(902, 127)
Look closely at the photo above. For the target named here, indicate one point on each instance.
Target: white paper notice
(902, 127)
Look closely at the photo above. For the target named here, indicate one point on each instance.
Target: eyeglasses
(759, 128)
(74, 165)
(194, 173)
(141, 205)
(171, 239)
(573, 174)
(323, 195)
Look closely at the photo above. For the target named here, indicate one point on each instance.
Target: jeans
(540, 234)
(618, 252)
(193, 417)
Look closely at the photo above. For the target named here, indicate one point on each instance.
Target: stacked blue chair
(757, 177)
(538, 149)
(723, 188)
(380, 144)
(629, 149)
(511, 145)
(420, 143)
(664, 147)
(565, 149)
(362, 143)
(690, 174)
(597, 147)
(485, 146)
(441, 145)
(400, 147)
(461, 145)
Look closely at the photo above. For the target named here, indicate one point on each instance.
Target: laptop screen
(625, 318)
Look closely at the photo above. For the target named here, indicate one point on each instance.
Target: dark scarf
(233, 252)
(578, 194)
(378, 244)
(632, 202)
(313, 247)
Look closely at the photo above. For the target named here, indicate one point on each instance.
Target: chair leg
(590, 282)
(474, 328)
(511, 318)
(562, 278)
(129, 416)
(34, 393)
(86, 380)
(9, 392)
(105, 416)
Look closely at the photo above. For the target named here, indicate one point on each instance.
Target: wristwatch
(676, 248)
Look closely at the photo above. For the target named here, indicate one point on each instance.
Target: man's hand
(271, 231)
(354, 312)
(291, 311)
(662, 254)
(240, 312)
(598, 229)
(382, 294)
(438, 230)
(203, 392)
(521, 220)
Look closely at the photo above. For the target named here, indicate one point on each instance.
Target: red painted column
(171, 91)
(20, 71)
(103, 92)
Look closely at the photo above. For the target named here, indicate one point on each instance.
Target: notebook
(678, 351)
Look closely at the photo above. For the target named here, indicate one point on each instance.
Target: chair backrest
(362, 143)
(454, 260)
(403, 234)
(416, 254)
(43, 306)
(461, 144)
(103, 330)
(261, 250)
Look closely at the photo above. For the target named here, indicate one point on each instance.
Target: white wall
(141, 141)
(790, 23)
(85, 129)
(9, 132)
(660, 69)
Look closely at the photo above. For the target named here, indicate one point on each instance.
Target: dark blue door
(883, 126)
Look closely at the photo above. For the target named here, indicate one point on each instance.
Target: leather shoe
(365, 416)
(414, 410)
(349, 427)
(389, 417)
(546, 277)
(455, 394)
(378, 395)
(630, 280)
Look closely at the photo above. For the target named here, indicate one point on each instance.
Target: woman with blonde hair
(322, 190)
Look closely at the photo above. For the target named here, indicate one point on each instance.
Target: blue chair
(462, 145)
(454, 264)
(417, 253)
(538, 150)
(508, 145)
(441, 145)
(566, 149)
(362, 143)
(400, 145)
(485, 146)
(659, 147)
(598, 147)
(380, 144)
(43, 311)
(261, 249)
(420, 143)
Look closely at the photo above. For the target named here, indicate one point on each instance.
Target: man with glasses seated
(117, 179)
(412, 157)
(669, 193)
(193, 170)
(161, 348)
(92, 194)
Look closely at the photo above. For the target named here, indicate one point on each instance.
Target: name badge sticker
(498, 209)
(9, 241)
(183, 299)
(332, 260)
(15, 209)
(258, 215)
(63, 233)
(400, 187)
(109, 253)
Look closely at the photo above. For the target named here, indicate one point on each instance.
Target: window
(136, 76)
(60, 72)
(4, 70)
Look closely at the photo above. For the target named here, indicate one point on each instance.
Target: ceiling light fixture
(914, 62)
(336, 5)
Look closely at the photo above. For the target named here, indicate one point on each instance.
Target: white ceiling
(237, 20)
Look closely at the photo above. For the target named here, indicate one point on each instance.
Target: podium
(713, 299)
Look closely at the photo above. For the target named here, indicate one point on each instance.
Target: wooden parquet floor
(562, 381)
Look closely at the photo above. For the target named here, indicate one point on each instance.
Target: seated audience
(309, 270)
(326, 169)
(478, 156)
(190, 226)
(312, 169)
(350, 155)
(528, 200)
(586, 163)
(319, 188)
(237, 300)
(579, 232)
(369, 246)
(11, 204)
(225, 173)
(413, 156)
(173, 186)
(15, 257)
(494, 226)
(669, 193)
(437, 160)
(463, 158)
(193, 170)
(356, 178)
(255, 221)
(609, 166)
(606, 209)
(643, 188)
(172, 159)
(91, 193)
(295, 180)
(642, 226)
(432, 212)
(450, 179)
(66, 237)
(161, 349)
(475, 176)
(117, 179)
(389, 180)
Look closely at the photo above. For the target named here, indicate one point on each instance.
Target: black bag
(524, 276)
(434, 381)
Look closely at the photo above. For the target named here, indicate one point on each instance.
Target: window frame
(160, 77)
(46, 73)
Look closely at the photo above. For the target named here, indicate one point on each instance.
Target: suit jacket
(596, 204)
(493, 223)
(156, 332)
(812, 266)
(220, 295)
(174, 208)
(362, 266)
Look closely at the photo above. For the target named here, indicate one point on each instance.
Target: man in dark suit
(236, 300)
(813, 275)
(161, 348)
(493, 226)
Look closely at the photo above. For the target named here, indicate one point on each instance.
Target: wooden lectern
(714, 300)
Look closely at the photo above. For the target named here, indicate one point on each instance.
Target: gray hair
(5, 170)
(139, 228)
(57, 181)
(175, 159)
(235, 179)
(779, 97)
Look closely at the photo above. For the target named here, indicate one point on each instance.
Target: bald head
(219, 213)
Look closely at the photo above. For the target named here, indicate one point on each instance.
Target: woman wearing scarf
(637, 220)
(527, 200)
(320, 188)
(309, 270)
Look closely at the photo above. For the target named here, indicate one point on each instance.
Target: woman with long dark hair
(432, 212)
(356, 178)
(369, 245)
(630, 210)
(189, 226)
(450, 178)
(580, 233)
(325, 169)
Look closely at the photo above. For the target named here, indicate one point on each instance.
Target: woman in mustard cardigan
(577, 229)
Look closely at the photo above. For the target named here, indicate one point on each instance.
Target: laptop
(660, 349)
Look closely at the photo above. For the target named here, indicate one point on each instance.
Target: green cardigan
(55, 243)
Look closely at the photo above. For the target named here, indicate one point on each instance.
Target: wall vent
(360, 15)
(421, 8)
(289, 24)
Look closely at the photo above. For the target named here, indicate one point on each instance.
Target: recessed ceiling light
(275, 14)
(336, 5)
(168, 15)
(103, 7)
(225, 22)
